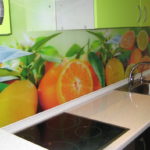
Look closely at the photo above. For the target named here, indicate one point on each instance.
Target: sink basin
(142, 89)
(138, 88)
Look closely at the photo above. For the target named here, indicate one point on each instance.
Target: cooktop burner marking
(88, 132)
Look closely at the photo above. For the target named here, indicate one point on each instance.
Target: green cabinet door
(145, 10)
(117, 13)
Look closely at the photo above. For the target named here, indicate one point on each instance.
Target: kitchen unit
(108, 105)
(93, 14)
(110, 119)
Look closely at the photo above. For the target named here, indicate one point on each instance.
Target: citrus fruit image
(145, 66)
(128, 69)
(114, 71)
(64, 82)
(47, 88)
(19, 100)
(135, 56)
(142, 40)
(128, 40)
(96, 82)
(48, 65)
(75, 80)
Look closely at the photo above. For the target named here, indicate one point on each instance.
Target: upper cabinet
(145, 12)
(91, 14)
(40, 15)
(74, 14)
(117, 13)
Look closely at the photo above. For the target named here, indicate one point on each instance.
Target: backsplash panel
(53, 67)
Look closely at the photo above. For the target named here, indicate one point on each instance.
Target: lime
(142, 40)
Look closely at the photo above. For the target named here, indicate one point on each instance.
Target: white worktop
(124, 109)
(120, 108)
(11, 142)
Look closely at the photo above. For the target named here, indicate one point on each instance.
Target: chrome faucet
(131, 76)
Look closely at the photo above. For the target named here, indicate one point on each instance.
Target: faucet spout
(131, 75)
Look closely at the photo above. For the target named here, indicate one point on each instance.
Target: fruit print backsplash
(38, 71)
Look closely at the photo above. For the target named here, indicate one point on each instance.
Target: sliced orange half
(128, 40)
(74, 81)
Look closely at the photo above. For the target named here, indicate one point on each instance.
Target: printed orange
(96, 82)
(114, 71)
(64, 82)
(145, 66)
(75, 80)
(128, 40)
(48, 66)
(47, 90)
(136, 56)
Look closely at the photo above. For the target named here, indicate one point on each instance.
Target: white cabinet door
(40, 15)
(74, 14)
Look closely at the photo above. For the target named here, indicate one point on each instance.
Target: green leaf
(99, 35)
(97, 66)
(124, 56)
(50, 53)
(8, 72)
(26, 60)
(41, 41)
(95, 44)
(81, 52)
(49, 50)
(3, 86)
(73, 50)
(51, 58)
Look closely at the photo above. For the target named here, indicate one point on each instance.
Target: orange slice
(74, 81)
(128, 40)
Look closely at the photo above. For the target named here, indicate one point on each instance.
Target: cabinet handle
(140, 13)
(145, 16)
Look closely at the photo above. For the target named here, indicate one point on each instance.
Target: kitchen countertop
(11, 142)
(129, 110)
(124, 109)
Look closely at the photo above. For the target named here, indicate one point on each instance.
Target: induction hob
(71, 132)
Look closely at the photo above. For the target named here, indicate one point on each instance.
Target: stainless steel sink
(141, 85)
(138, 88)
(142, 89)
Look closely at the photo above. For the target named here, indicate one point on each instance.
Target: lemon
(128, 69)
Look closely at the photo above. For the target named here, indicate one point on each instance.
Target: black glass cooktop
(71, 132)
